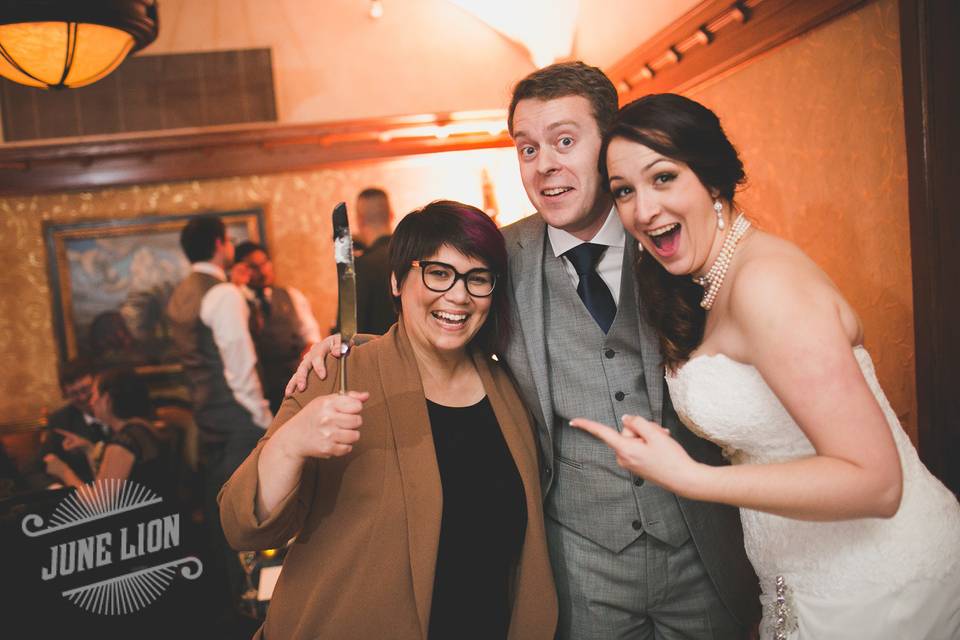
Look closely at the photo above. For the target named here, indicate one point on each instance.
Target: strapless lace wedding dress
(896, 578)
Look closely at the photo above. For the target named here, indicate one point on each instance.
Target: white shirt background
(224, 309)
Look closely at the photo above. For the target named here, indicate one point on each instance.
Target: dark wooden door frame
(931, 103)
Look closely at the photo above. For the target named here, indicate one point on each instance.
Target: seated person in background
(414, 498)
(283, 325)
(76, 418)
(132, 451)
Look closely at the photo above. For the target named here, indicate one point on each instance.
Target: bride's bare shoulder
(766, 260)
(775, 277)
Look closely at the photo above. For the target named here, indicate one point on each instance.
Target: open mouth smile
(450, 319)
(664, 235)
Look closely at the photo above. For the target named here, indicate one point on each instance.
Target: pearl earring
(718, 207)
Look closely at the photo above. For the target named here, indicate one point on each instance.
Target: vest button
(609, 353)
(636, 525)
(638, 482)
(619, 395)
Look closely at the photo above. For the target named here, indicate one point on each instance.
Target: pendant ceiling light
(59, 44)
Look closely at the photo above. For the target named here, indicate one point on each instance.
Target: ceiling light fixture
(59, 44)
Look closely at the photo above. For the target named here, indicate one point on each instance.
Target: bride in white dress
(849, 533)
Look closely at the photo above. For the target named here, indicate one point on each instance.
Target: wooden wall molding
(931, 102)
(715, 37)
(219, 152)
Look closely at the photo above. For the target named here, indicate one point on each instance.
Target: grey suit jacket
(715, 528)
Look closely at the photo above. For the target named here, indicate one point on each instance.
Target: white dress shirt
(91, 421)
(225, 311)
(610, 267)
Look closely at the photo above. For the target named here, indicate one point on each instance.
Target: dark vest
(216, 411)
(279, 345)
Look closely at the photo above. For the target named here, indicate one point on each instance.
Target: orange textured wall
(819, 124)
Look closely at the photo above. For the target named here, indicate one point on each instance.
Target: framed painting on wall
(110, 281)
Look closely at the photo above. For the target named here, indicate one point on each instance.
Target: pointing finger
(641, 427)
(601, 431)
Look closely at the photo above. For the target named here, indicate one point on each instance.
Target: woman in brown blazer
(413, 502)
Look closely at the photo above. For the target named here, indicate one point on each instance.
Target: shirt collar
(611, 234)
(210, 269)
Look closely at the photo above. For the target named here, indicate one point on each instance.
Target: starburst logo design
(98, 503)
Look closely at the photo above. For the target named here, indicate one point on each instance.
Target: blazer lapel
(420, 477)
(527, 273)
(649, 342)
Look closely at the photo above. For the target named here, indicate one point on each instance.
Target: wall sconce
(59, 44)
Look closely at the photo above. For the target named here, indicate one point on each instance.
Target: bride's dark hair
(683, 130)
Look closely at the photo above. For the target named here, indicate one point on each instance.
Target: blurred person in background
(285, 325)
(375, 311)
(209, 323)
(131, 451)
(74, 418)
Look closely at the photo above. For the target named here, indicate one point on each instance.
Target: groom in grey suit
(630, 559)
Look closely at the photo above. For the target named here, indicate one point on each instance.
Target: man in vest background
(209, 324)
(286, 325)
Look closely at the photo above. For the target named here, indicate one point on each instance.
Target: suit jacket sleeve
(238, 496)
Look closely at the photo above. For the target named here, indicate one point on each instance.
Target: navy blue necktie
(261, 294)
(592, 289)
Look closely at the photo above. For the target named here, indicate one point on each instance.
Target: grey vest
(217, 413)
(600, 377)
(279, 345)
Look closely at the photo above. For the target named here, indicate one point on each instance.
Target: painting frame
(66, 290)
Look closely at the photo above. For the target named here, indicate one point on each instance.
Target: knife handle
(344, 352)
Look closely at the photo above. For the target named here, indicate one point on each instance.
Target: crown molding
(714, 38)
(237, 150)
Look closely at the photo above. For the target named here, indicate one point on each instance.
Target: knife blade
(347, 287)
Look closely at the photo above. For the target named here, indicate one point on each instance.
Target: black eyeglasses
(440, 277)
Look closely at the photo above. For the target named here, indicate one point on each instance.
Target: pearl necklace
(714, 278)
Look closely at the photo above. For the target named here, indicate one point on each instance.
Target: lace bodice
(729, 403)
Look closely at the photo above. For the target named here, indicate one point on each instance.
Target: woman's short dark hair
(470, 231)
(129, 396)
(687, 131)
